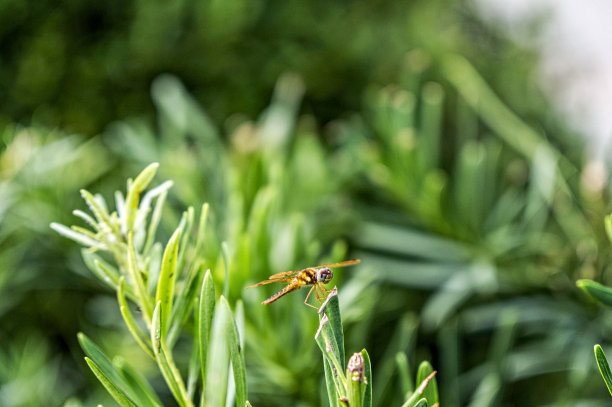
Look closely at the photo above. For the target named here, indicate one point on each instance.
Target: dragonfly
(316, 276)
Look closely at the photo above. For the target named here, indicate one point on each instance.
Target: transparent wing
(272, 280)
(285, 274)
(341, 264)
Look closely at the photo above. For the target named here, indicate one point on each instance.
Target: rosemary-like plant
(173, 292)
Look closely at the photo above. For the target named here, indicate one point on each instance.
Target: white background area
(575, 48)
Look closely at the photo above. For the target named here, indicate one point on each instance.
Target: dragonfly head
(324, 275)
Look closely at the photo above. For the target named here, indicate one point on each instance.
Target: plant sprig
(165, 288)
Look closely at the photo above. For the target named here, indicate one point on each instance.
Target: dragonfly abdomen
(294, 285)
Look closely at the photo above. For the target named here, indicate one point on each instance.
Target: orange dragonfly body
(315, 276)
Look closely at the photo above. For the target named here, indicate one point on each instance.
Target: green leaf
(138, 384)
(134, 190)
(218, 359)
(206, 308)
(165, 361)
(154, 222)
(80, 238)
(226, 276)
(431, 390)
(331, 308)
(598, 292)
(136, 276)
(236, 357)
(401, 361)
(134, 329)
(104, 367)
(421, 403)
(330, 347)
(608, 226)
(110, 386)
(167, 278)
(185, 299)
(604, 367)
(104, 271)
(418, 393)
(100, 212)
(367, 398)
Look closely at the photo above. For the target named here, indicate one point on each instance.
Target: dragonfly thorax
(324, 275)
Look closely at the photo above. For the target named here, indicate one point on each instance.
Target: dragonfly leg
(309, 292)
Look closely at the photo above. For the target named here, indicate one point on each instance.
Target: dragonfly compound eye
(324, 275)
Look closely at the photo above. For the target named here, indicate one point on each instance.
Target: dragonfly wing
(274, 280)
(340, 264)
(285, 274)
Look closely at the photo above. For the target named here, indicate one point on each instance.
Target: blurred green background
(407, 133)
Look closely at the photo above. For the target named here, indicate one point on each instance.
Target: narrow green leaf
(80, 238)
(185, 300)
(134, 190)
(119, 396)
(328, 343)
(104, 365)
(431, 390)
(165, 361)
(604, 367)
(598, 292)
(194, 370)
(134, 329)
(154, 222)
(99, 211)
(237, 358)
(331, 308)
(403, 339)
(189, 217)
(167, 278)
(431, 114)
(226, 279)
(138, 384)
(608, 226)
(201, 233)
(367, 398)
(136, 276)
(330, 382)
(218, 359)
(401, 361)
(206, 308)
(421, 403)
(106, 273)
(88, 219)
(418, 393)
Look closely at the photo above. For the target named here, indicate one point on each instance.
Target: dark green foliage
(450, 178)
